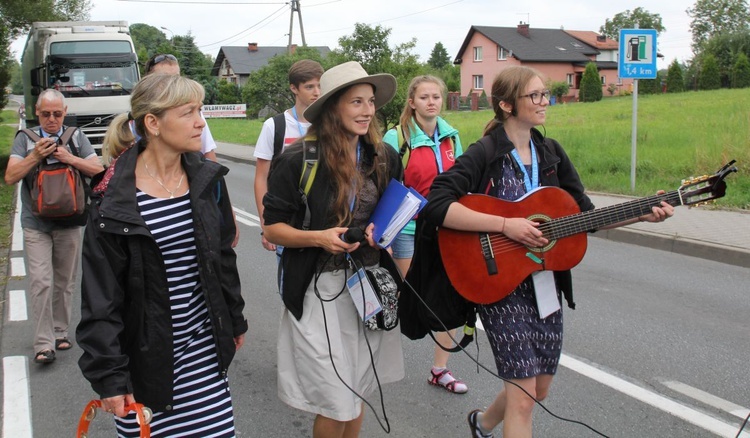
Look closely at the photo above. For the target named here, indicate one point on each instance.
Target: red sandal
(452, 384)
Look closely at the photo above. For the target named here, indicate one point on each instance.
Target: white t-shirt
(207, 140)
(264, 146)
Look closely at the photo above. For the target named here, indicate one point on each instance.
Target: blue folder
(396, 207)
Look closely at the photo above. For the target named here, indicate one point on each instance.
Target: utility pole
(295, 8)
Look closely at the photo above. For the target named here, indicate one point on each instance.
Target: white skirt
(307, 379)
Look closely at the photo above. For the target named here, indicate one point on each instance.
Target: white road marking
(246, 218)
(17, 306)
(709, 399)
(17, 267)
(665, 404)
(16, 401)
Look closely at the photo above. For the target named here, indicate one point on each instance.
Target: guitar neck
(591, 220)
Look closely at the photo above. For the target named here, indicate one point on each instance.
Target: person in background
(327, 359)
(167, 64)
(161, 303)
(304, 83)
(114, 142)
(53, 247)
(428, 146)
(526, 347)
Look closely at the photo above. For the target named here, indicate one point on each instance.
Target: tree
(725, 47)
(628, 20)
(714, 17)
(439, 58)
(16, 16)
(709, 78)
(269, 85)
(675, 81)
(228, 93)
(741, 72)
(193, 63)
(369, 46)
(147, 38)
(591, 85)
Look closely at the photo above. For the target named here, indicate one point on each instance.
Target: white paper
(367, 305)
(546, 293)
(408, 208)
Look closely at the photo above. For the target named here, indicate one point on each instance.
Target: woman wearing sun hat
(327, 359)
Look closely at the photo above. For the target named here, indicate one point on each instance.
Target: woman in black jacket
(161, 309)
(511, 160)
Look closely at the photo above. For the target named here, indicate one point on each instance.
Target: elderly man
(53, 247)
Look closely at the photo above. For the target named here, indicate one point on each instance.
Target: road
(658, 346)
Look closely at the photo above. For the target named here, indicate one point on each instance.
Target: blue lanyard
(438, 152)
(302, 131)
(354, 198)
(534, 182)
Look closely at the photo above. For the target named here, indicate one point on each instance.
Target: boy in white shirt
(304, 83)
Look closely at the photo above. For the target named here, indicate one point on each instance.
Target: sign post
(637, 61)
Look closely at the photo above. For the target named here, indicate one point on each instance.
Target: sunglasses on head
(161, 58)
(47, 114)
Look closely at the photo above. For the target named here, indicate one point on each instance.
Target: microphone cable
(384, 422)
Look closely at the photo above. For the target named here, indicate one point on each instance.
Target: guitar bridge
(488, 253)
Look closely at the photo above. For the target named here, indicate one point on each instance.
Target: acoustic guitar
(486, 267)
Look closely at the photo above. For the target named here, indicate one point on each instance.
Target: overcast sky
(216, 23)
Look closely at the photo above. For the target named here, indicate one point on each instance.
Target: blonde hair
(118, 137)
(408, 115)
(329, 130)
(507, 87)
(157, 93)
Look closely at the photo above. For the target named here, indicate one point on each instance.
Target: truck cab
(93, 64)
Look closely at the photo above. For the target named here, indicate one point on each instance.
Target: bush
(675, 81)
(559, 89)
(741, 72)
(591, 85)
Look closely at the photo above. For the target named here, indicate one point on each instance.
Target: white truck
(92, 63)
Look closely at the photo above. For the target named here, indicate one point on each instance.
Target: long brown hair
(408, 115)
(507, 87)
(331, 137)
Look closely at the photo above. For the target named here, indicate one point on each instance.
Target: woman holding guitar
(512, 159)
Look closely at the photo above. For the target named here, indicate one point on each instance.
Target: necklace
(171, 192)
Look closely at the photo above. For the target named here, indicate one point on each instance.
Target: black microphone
(353, 235)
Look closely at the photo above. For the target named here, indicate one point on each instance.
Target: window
(604, 80)
(502, 55)
(477, 53)
(570, 79)
(478, 81)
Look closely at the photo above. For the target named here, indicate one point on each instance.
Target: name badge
(363, 295)
(545, 291)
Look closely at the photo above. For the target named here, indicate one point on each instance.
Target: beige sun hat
(351, 73)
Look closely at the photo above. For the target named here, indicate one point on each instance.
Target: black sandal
(59, 344)
(45, 356)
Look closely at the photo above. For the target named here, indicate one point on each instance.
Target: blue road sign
(637, 54)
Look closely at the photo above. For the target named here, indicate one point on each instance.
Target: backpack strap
(279, 129)
(33, 136)
(404, 151)
(309, 169)
(65, 139)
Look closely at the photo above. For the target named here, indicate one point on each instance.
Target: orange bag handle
(143, 417)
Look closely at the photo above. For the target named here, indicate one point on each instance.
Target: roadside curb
(679, 245)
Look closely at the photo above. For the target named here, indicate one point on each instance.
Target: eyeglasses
(160, 58)
(536, 97)
(47, 114)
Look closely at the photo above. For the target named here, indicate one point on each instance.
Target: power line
(249, 28)
(203, 2)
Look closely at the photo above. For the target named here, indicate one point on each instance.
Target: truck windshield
(92, 68)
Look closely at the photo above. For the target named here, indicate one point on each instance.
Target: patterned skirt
(523, 344)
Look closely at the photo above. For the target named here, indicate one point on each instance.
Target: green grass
(679, 135)
(7, 133)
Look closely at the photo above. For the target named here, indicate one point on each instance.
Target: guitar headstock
(702, 189)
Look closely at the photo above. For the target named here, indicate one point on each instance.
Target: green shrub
(591, 85)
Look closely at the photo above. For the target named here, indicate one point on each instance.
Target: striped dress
(202, 404)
